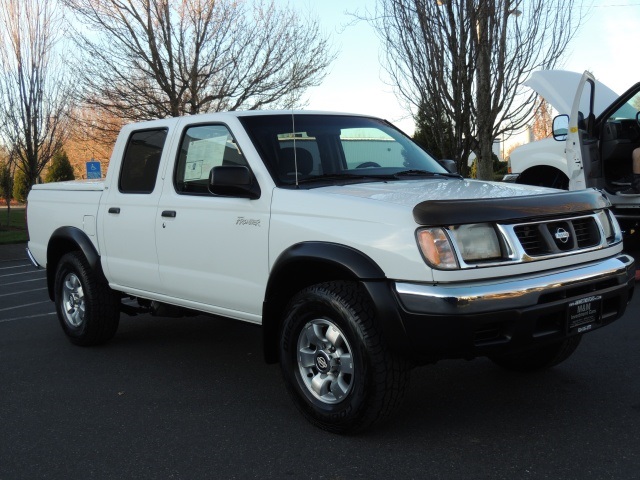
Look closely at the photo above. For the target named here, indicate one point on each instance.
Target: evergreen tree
(21, 186)
(435, 134)
(6, 186)
(60, 168)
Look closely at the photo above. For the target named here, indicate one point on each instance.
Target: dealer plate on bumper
(584, 314)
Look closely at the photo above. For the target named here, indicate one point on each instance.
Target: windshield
(629, 110)
(334, 148)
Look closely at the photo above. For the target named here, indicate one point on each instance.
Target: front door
(212, 250)
(583, 158)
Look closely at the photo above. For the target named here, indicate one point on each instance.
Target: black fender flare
(308, 263)
(64, 240)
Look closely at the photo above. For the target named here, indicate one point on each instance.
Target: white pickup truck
(356, 251)
(593, 138)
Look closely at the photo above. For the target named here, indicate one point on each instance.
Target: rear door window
(141, 161)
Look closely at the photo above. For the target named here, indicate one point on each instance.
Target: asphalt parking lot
(192, 399)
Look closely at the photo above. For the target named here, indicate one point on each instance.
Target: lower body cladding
(511, 316)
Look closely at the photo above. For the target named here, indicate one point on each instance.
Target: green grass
(16, 232)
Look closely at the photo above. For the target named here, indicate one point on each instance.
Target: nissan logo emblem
(322, 363)
(562, 235)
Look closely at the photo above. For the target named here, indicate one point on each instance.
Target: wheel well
(544, 176)
(285, 284)
(63, 241)
(303, 265)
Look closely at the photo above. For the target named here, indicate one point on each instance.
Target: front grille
(531, 240)
(558, 236)
(587, 233)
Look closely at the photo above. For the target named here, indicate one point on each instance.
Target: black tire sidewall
(319, 302)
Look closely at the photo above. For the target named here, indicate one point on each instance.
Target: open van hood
(558, 87)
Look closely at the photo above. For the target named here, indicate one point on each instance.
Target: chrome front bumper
(516, 293)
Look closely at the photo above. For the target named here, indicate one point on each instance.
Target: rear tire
(87, 308)
(540, 358)
(336, 365)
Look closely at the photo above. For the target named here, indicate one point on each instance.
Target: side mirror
(449, 165)
(233, 181)
(560, 127)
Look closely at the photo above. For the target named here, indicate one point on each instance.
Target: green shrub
(60, 168)
(21, 186)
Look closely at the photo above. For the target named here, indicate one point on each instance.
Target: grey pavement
(191, 399)
(13, 251)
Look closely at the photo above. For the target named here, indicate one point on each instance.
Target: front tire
(540, 358)
(87, 308)
(334, 360)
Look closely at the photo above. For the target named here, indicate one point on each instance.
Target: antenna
(295, 153)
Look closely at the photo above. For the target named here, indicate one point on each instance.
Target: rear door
(128, 214)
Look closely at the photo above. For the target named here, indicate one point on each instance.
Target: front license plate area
(584, 314)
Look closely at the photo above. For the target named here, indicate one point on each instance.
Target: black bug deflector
(455, 212)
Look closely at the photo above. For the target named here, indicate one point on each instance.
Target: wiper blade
(344, 177)
(425, 173)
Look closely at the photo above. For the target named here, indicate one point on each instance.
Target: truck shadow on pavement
(218, 362)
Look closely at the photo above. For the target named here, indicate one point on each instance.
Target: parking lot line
(25, 281)
(21, 273)
(24, 305)
(17, 266)
(22, 291)
(24, 317)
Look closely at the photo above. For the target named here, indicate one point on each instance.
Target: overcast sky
(608, 44)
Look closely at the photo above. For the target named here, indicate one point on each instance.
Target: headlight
(476, 241)
(473, 242)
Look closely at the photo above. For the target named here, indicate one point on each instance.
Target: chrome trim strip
(479, 297)
(32, 259)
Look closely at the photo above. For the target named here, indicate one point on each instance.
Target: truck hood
(448, 200)
(411, 192)
(558, 87)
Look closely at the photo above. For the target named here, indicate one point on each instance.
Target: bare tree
(92, 136)
(32, 83)
(542, 119)
(464, 61)
(158, 58)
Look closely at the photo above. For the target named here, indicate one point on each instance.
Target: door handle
(114, 210)
(169, 213)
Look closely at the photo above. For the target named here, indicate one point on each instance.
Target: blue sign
(93, 169)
